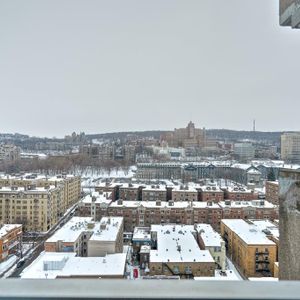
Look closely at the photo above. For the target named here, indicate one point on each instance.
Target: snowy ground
(91, 176)
(230, 266)
(5, 265)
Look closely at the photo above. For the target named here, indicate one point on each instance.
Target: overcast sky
(104, 66)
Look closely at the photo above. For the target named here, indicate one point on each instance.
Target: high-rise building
(290, 147)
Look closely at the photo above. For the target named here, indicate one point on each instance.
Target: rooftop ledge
(146, 289)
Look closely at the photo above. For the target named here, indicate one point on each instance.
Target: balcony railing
(146, 289)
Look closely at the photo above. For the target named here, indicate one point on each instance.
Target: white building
(107, 237)
(212, 241)
(88, 238)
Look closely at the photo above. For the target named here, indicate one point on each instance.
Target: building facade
(249, 248)
(10, 240)
(38, 209)
(290, 147)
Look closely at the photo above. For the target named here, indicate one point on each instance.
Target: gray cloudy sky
(103, 66)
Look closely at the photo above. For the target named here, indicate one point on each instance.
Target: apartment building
(184, 193)
(272, 192)
(254, 209)
(178, 253)
(211, 193)
(250, 249)
(36, 208)
(212, 241)
(10, 240)
(94, 205)
(70, 184)
(239, 194)
(88, 238)
(130, 191)
(290, 147)
(145, 213)
(106, 187)
(154, 193)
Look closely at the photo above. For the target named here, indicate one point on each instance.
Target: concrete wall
(289, 225)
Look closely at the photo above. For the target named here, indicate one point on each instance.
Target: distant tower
(254, 125)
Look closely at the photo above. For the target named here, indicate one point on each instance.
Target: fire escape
(262, 263)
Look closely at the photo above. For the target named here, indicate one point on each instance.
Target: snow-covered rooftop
(268, 226)
(155, 187)
(72, 230)
(229, 275)
(96, 197)
(176, 243)
(107, 229)
(250, 234)
(141, 233)
(50, 265)
(210, 237)
(17, 189)
(6, 228)
(250, 203)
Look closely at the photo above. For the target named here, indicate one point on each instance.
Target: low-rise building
(88, 238)
(249, 248)
(56, 265)
(212, 241)
(10, 240)
(107, 238)
(141, 237)
(177, 253)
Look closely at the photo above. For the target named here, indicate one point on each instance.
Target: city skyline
(113, 67)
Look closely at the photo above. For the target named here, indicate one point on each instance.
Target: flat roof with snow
(250, 234)
(107, 229)
(71, 231)
(97, 197)
(176, 243)
(210, 237)
(51, 265)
